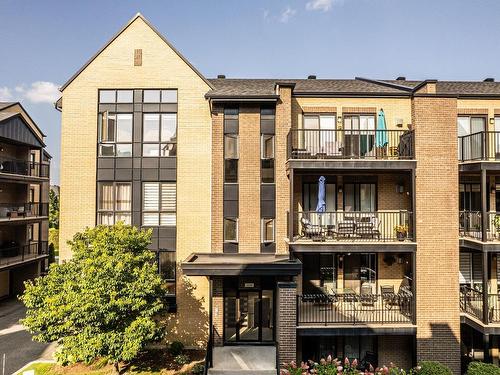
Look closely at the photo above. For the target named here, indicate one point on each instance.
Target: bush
(182, 359)
(433, 368)
(480, 368)
(198, 369)
(176, 348)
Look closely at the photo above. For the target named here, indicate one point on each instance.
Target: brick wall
(286, 320)
(218, 310)
(249, 180)
(438, 317)
(395, 349)
(390, 274)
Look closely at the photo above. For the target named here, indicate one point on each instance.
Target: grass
(154, 362)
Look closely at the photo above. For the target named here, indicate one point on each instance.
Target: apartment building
(328, 216)
(24, 196)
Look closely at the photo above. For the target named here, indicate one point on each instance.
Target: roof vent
(312, 76)
(489, 80)
(401, 78)
(221, 76)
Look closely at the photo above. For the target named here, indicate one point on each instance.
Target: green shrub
(176, 348)
(181, 359)
(480, 368)
(433, 368)
(198, 369)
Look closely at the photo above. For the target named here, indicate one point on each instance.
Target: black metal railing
(13, 253)
(470, 224)
(350, 144)
(24, 167)
(471, 301)
(494, 308)
(23, 210)
(383, 226)
(209, 353)
(352, 308)
(479, 146)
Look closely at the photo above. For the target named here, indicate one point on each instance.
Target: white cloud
(321, 5)
(265, 14)
(5, 94)
(42, 92)
(287, 14)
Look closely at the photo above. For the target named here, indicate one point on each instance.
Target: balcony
(24, 168)
(316, 144)
(471, 226)
(344, 226)
(23, 211)
(471, 304)
(13, 254)
(350, 308)
(481, 146)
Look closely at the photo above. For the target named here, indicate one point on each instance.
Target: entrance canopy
(220, 264)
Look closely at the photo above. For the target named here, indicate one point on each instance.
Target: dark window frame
(159, 143)
(114, 142)
(161, 96)
(114, 211)
(161, 210)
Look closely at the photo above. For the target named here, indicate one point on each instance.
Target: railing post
(485, 288)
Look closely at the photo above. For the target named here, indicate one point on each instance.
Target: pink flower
(355, 363)
(329, 358)
(346, 361)
(339, 368)
(371, 368)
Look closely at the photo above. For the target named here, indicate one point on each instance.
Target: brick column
(286, 320)
(436, 196)
(218, 311)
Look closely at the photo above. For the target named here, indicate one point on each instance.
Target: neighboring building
(24, 196)
(226, 172)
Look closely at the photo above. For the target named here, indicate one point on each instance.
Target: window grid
(114, 202)
(159, 204)
(161, 145)
(115, 134)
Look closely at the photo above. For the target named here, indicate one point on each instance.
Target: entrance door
(248, 315)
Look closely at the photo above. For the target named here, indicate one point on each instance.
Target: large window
(116, 96)
(267, 158)
(470, 197)
(359, 135)
(167, 270)
(114, 202)
(471, 145)
(160, 96)
(231, 147)
(360, 197)
(267, 230)
(115, 134)
(319, 135)
(159, 134)
(159, 204)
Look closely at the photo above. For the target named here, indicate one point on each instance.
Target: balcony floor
(18, 260)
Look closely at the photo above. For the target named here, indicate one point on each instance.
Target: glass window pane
(105, 218)
(125, 96)
(267, 230)
(107, 96)
(327, 122)
(477, 124)
(123, 197)
(267, 171)
(123, 216)
(231, 170)
(267, 146)
(151, 128)
(168, 197)
(151, 96)
(231, 113)
(124, 127)
(169, 127)
(150, 149)
(151, 196)
(231, 147)
(124, 150)
(167, 219)
(106, 150)
(169, 96)
(166, 264)
(150, 219)
(230, 230)
(107, 127)
(463, 126)
(311, 122)
(168, 149)
(106, 197)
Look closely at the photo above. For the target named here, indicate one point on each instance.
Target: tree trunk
(116, 365)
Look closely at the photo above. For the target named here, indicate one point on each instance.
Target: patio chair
(347, 227)
(389, 298)
(367, 298)
(313, 231)
(368, 227)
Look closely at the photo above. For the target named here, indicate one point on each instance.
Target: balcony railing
(379, 226)
(23, 210)
(479, 146)
(471, 302)
(471, 225)
(350, 144)
(352, 308)
(24, 167)
(15, 253)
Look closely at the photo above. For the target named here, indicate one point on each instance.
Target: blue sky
(45, 42)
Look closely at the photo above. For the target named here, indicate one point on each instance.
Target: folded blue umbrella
(321, 206)
(381, 136)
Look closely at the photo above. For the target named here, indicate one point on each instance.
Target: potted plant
(401, 231)
(496, 223)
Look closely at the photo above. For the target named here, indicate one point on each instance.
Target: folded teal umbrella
(381, 136)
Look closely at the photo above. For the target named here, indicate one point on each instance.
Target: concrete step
(248, 358)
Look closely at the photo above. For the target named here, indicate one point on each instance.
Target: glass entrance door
(248, 315)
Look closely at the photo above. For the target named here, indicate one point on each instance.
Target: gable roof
(138, 15)
(22, 112)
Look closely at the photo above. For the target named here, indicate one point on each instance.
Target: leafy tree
(53, 210)
(102, 302)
